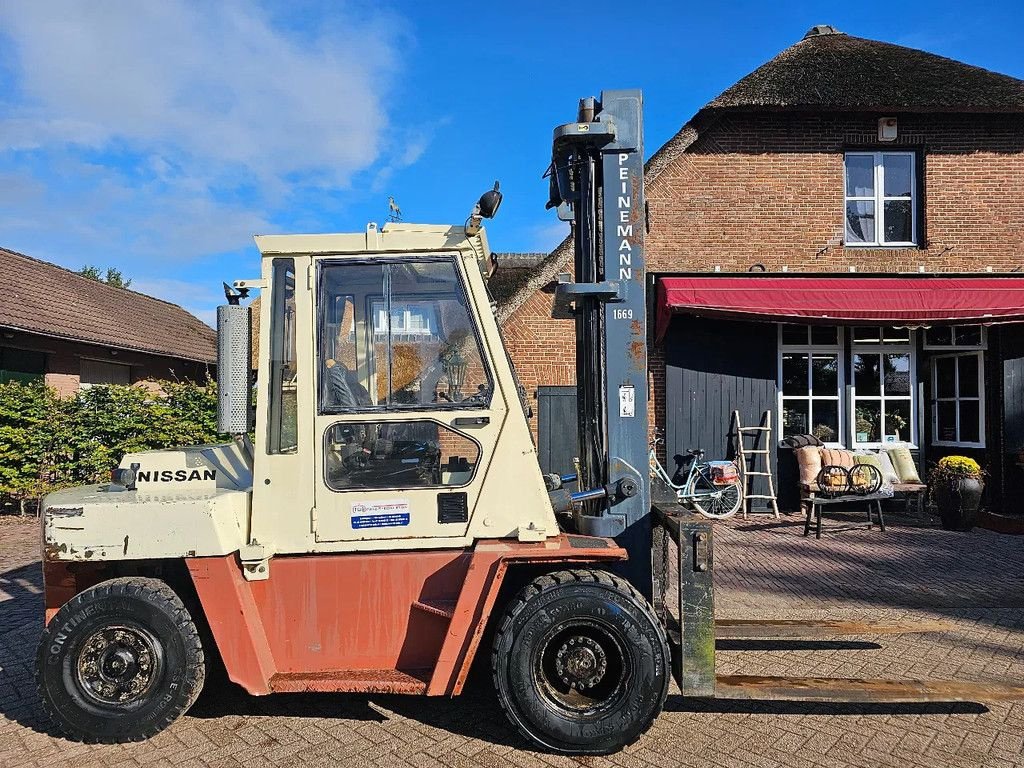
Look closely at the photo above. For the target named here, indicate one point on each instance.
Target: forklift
(389, 519)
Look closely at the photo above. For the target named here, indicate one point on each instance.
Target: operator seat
(343, 388)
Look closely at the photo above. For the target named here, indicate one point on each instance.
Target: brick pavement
(764, 568)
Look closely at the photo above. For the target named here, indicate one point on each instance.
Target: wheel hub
(116, 665)
(581, 662)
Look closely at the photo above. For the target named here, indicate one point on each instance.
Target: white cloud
(213, 83)
(155, 135)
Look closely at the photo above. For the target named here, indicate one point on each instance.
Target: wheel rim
(581, 669)
(118, 665)
(721, 501)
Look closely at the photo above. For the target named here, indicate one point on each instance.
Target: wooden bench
(811, 502)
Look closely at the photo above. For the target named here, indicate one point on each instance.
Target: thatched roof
(830, 71)
(826, 71)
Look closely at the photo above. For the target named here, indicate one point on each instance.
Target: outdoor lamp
(455, 366)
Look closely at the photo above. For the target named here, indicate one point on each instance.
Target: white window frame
(961, 347)
(879, 200)
(811, 350)
(882, 348)
(971, 351)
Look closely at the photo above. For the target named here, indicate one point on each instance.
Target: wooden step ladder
(748, 455)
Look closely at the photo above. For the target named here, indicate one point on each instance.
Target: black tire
(119, 662)
(580, 662)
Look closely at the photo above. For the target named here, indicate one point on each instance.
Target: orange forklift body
(374, 622)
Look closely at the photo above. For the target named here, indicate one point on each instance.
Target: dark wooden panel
(556, 429)
(1008, 434)
(714, 367)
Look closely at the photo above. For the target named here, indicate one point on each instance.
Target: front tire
(581, 663)
(119, 662)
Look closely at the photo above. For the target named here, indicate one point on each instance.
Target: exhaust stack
(234, 369)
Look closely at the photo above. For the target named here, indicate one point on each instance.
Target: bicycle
(712, 488)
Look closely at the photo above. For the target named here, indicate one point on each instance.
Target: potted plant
(957, 483)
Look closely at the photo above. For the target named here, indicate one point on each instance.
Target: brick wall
(543, 349)
(768, 188)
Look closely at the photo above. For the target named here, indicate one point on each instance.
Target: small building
(836, 239)
(73, 332)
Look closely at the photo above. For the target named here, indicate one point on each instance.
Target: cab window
(283, 432)
(397, 336)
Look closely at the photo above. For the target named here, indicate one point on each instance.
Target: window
(283, 433)
(955, 337)
(396, 336)
(958, 400)
(883, 366)
(398, 454)
(881, 197)
(811, 381)
(21, 365)
(94, 372)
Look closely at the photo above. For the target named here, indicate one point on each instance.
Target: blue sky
(158, 137)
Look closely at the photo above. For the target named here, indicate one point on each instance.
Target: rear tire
(119, 662)
(726, 504)
(580, 663)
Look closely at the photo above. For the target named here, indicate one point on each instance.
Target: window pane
(897, 421)
(402, 454)
(860, 222)
(353, 367)
(860, 176)
(794, 334)
(968, 335)
(824, 335)
(968, 375)
(866, 335)
(825, 374)
(969, 427)
(891, 335)
(282, 437)
(794, 373)
(866, 376)
(898, 221)
(899, 177)
(868, 420)
(436, 358)
(946, 427)
(945, 377)
(940, 335)
(897, 375)
(826, 420)
(795, 417)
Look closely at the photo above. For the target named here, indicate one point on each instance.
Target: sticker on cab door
(380, 514)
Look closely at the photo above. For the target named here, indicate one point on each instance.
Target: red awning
(839, 299)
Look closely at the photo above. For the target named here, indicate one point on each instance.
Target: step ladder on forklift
(748, 454)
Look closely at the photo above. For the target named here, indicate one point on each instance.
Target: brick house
(884, 182)
(71, 331)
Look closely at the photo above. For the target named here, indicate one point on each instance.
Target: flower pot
(958, 501)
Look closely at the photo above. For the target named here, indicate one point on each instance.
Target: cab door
(408, 413)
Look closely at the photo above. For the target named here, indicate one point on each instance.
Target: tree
(113, 276)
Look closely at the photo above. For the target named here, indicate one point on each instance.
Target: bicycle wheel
(714, 501)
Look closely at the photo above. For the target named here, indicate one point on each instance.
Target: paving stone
(764, 568)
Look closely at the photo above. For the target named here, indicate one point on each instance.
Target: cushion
(801, 441)
(903, 462)
(836, 457)
(889, 474)
(808, 459)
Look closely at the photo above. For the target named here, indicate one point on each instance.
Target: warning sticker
(627, 401)
(380, 514)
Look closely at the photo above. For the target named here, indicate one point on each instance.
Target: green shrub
(48, 442)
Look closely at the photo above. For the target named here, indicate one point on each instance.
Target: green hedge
(48, 442)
